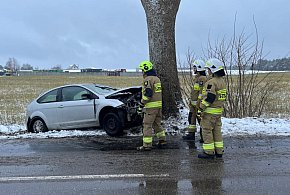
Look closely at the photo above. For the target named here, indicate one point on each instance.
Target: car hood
(133, 90)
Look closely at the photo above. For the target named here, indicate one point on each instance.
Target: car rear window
(48, 97)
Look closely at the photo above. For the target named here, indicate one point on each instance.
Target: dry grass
(278, 104)
(17, 92)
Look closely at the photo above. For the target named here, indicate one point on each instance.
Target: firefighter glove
(198, 113)
(139, 110)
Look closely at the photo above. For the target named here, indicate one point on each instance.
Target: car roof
(86, 85)
(89, 86)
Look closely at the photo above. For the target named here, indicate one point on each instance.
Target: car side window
(73, 93)
(48, 97)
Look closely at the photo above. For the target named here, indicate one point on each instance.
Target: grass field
(17, 92)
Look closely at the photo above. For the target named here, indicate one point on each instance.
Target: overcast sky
(113, 33)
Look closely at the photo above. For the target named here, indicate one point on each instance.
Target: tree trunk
(161, 16)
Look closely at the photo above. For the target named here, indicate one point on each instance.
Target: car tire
(112, 124)
(37, 125)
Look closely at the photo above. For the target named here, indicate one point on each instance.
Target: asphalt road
(105, 165)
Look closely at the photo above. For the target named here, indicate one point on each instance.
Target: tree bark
(161, 17)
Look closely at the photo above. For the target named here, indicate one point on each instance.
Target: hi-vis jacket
(213, 96)
(151, 92)
(196, 92)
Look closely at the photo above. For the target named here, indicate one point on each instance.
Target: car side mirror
(87, 96)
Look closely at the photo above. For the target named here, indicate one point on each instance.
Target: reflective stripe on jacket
(153, 84)
(217, 87)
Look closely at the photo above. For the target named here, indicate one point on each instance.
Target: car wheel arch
(119, 113)
(104, 111)
(32, 121)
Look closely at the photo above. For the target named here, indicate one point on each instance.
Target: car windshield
(100, 89)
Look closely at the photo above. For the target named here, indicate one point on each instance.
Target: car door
(74, 111)
(47, 108)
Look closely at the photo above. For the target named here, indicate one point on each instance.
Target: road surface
(106, 165)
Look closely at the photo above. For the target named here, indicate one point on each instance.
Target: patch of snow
(18, 132)
(235, 126)
(231, 127)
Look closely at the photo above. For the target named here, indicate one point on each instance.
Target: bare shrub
(186, 77)
(249, 90)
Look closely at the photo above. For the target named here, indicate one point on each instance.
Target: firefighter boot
(189, 137)
(161, 143)
(218, 155)
(144, 148)
(205, 156)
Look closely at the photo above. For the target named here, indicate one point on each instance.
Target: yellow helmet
(146, 66)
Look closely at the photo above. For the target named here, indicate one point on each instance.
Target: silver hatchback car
(80, 106)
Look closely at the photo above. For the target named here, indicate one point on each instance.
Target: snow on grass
(18, 132)
(256, 126)
(231, 127)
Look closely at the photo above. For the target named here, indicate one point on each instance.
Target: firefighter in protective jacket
(195, 97)
(151, 103)
(213, 99)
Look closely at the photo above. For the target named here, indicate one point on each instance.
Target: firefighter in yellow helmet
(213, 99)
(195, 97)
(151, 103)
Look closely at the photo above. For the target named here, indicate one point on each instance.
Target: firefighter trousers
(211, 131)
(192, 119)
(152, 122)
(194, 115)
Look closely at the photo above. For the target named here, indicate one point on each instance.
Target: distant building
(1, 70)
(73, 67)
(8, 72)
(78, 70)
(91, 70)
(116, 72)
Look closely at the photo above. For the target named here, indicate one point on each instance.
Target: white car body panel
(76, 113)
(47, 113)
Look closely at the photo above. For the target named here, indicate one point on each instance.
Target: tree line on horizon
(282, 64)
(13, 65)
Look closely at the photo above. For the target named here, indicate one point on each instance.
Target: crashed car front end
(130, 97)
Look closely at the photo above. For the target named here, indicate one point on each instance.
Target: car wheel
(112, 124)
(38, 125)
